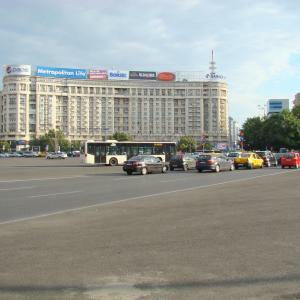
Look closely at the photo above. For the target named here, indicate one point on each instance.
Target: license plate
(175, 166)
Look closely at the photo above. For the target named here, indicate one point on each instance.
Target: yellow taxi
(249, 160)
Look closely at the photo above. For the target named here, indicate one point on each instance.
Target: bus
(113, 153)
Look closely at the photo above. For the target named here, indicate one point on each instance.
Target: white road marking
(55, 194)
(139, 197)
(18, 188)
(42, 179)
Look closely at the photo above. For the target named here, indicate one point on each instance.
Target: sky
(256, 43)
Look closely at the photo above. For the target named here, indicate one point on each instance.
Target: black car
(144, 164)
(182, 161)
(268, 157)
(214, 162)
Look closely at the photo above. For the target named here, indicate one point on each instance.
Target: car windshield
(137, 158)
(176, 157)
(245, 155)
(204, 157)
(290, 155)
(233, 154)
(261, 153)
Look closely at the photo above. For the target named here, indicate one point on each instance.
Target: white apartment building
(84, 109)
(275, 106)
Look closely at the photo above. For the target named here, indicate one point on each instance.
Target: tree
(4, 146)
(186, 144)
(253, 135)
(121, 136)
(53, 139)
(277, 131)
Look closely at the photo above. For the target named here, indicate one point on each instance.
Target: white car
(56, 155)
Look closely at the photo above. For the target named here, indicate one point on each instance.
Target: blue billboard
(62, 72)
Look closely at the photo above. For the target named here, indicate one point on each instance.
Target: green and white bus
(113, 153)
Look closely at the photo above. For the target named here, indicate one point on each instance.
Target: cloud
(253, 40)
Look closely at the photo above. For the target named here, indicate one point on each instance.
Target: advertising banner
(61, 72)
(145, 75)
(10, 70)
(118, 75)
(166, 76)
(98, 74)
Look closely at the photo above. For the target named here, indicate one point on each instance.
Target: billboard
(145, 75)
(98, 74)
(118, 75)
(61, 72)
(166, 76)
(10, 70)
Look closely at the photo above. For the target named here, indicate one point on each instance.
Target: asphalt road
(76, 232)
(54, 186)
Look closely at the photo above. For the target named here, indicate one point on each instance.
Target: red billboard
(98, 74)
(166, 76)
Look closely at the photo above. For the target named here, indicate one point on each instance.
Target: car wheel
(185, 168)
(262, 165)
(164, 169)
(250, 166)
(113, 161)
(269, 164)
(217, 169)
(171, 168)
(236, 167)
(129, 173)
(144, 171)
(297, 166)
(199, 170)
(231, 167)
(282, 167)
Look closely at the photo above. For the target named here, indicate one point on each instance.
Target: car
(56, 155)
(214, 162)
(144, 164)
(30, 154)
(182, 161)
(15, 154)
(291, 159)
(268, 157)
(249, 160)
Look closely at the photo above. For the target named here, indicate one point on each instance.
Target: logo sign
(145, 75)
(118, 75)
(98, 74)
(61, 72)
(166, 76)
(214, 76)
(10, 70)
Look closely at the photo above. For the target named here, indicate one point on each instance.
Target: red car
(291, 159)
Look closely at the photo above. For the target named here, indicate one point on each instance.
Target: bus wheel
(113, 161)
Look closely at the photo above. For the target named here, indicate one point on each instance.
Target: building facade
(95, 109)
(277, 105)
(234, 131)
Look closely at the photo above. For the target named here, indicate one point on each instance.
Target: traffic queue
(211, 161)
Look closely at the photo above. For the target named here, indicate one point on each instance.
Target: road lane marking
(54, 194)
(139, 197)
(41, 179)
(18, 188)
